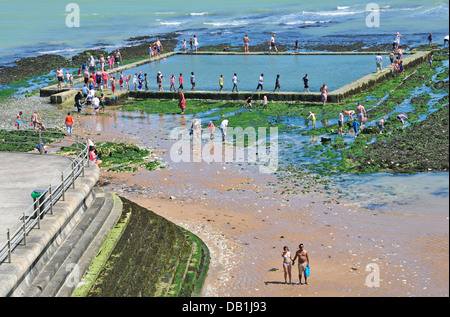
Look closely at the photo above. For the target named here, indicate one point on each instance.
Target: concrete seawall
(28, 260)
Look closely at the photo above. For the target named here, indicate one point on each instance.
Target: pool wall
(58, 96)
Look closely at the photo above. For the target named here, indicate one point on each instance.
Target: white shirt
(224, 124)
(379, 59)
(96, 102)
(261, 79)
(234, 79)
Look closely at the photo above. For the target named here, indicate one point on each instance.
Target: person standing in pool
(260, 83)
(305, 83)
(287, 264)
(277, 84)
(324, 93)
(235, 81)
(246, 43)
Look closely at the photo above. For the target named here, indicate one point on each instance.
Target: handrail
(31, 218)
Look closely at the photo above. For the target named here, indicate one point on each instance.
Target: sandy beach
(245, 222)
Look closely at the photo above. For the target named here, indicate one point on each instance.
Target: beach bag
(307, 271)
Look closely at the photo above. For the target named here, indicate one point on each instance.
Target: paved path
(20, 174)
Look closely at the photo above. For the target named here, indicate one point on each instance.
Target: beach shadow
(279, 283)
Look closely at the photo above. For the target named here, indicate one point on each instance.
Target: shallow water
(291, 68)
(421, 194)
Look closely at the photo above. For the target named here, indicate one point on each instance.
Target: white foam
(198, 13)
(171, 23)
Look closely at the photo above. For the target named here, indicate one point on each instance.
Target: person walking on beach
(180, 81)
(305, 83)
(265, 102)
(361, 113)
(193, 81)
(430, 59)
(340, 122)
(212, 128)
(313, 118)
(223, 128)
(430, 39)
(303, 263)
(181, 101)
(401, 117)
(356, 127)
(235, 81)
(324, 93)
(18, 122)
(60, 77)
(379, 62)
(380, 124)
(69, 123)
(446, 39)
(34, 120)
(287, 264)
(260, 83)
(397, 40)
(277, 84)
(246, 43)
(272, 44)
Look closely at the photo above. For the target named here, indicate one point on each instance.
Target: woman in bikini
(287, 264)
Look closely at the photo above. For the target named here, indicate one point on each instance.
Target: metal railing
(31, 218)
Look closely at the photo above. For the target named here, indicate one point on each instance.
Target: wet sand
(245, 224)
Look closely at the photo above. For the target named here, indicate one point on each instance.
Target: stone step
(64, 264)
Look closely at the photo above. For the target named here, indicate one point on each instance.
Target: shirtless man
(361, 113)
(303, 262)
(246, 43)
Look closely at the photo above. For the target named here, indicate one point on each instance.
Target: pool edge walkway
(59, 96)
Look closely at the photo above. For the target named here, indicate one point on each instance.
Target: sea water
(207, 70)
(31, 28)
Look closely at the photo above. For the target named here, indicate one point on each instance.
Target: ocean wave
(306, 22)
(332, 13)
(227, 23)
(171, 23)
(198, 13)
(343, 8)
(437, 10)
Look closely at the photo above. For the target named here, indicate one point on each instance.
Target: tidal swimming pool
(334, 70)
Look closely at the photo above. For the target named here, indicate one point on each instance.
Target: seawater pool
(334, 70)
